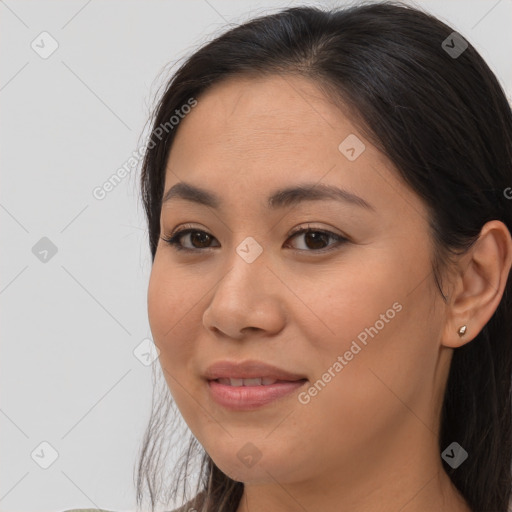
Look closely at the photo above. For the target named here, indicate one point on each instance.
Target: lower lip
(246, 398)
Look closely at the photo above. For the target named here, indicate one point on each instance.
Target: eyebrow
(279, 199)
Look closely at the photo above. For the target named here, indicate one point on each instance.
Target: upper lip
(248, 370)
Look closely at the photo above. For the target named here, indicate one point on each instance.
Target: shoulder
(190, 506)
(193, 505)
(181, 509)
(185, 508)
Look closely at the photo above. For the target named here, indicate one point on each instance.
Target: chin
(266, 470)
(241, 473)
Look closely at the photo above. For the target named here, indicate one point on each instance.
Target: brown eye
(316, 240)
(198, 238)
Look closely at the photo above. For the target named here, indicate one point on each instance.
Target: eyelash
(175, 243)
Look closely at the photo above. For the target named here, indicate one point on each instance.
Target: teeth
(251, 382)
(266, 381)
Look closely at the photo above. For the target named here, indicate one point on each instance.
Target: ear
(479, 284)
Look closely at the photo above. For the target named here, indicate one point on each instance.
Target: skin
(368, 439)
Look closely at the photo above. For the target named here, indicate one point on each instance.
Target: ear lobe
(479, 284)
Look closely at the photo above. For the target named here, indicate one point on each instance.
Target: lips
(251, 398)
(249, 373)
(265, 381)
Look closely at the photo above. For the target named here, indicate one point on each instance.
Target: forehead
(271, 124)
(271, 110)
(252, 136)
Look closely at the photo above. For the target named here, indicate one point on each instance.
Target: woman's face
(359, 319)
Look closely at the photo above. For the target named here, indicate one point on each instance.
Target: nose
(248, 297)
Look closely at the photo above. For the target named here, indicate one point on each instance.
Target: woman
(329, 223)
(405, 275)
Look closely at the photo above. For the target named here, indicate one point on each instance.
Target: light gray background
(70, 325)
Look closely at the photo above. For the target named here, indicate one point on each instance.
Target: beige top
(184, 508)
(181, 509)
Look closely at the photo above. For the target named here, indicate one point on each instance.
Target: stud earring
(462, 331)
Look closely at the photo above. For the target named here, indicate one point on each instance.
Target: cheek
(161, 303)
(342, 302)
(174, 318)
(362, 326)
(387, 349)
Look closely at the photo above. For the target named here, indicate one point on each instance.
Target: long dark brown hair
(445, 123)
